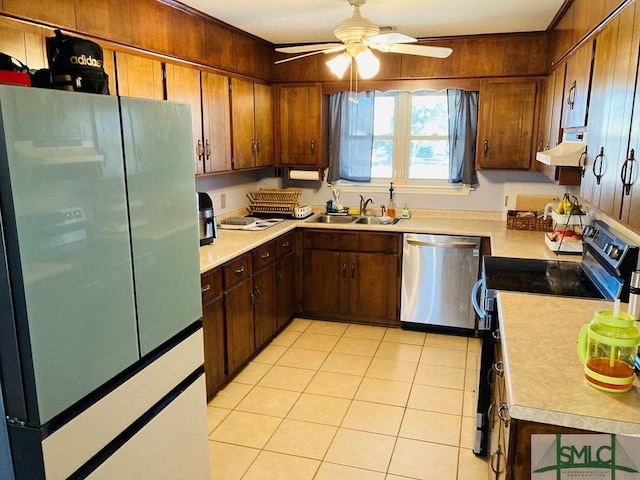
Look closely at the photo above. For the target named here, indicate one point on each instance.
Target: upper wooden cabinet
(208, 95)
(506, 124)
(151, 25)
(303, 124)
(251, 124)
(139, 76)
(576, 86)
(60, 13)
(109, 19)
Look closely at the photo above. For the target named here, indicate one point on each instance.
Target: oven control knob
(608, 247)
(615, 252)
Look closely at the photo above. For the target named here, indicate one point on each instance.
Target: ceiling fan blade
(338, 48)
(308, 48)
(389, 39)
(421, 50)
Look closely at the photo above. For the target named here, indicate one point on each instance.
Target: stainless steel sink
(333, 219)
(376, 221)
(347, 219)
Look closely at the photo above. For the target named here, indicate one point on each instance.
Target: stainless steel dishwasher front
(438, 274)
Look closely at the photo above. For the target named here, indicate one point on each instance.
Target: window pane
(429, 159)
(429, 114)
(384, 116)
(382, 158)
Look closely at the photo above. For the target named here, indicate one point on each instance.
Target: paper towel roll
(304, 175)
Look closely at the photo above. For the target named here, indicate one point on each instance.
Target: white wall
(493, 187)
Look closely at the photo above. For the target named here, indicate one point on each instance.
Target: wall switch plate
(223, 200)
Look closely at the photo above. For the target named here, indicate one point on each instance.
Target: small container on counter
(634, 295)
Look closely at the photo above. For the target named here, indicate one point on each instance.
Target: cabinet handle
(258, 147)
(582, 162)
(599, 174)
(541, 146)
(627, 166)
(344, 270)
(313, 147)
(252, 299)
(503, 414)
(491, 418)
(499, 367)
(496, 466)
(207, 149)
(206, 288)
(571, 98)
(254, 147)
(496, 334)
(239, 270)
(278, 278)
(353, 270)
(258, 294)
(200, 149)
(285, 244)
(485, 149)
(265, 256)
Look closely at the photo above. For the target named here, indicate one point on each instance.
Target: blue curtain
(463, 128)
(351, 136)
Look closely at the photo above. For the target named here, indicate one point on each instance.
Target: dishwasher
(438, 275)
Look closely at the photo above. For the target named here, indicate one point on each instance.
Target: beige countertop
(544, 377)
(504, 242)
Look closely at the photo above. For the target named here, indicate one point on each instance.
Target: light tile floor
(336, 401)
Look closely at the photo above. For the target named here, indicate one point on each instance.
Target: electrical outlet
(223, 200)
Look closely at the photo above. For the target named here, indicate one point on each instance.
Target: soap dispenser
(391, 206)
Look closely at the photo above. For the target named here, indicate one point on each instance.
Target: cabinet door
(263, 95)
(242, 124)
(183, 85)
(216, 122)
(139, 76)
(285, 288)
(300, 125)
(109, 19)
(506, 124)
(576, 87)
(60, 13)
(239, 324)
(213, 331)
(324, 272)
(264, 309)
(373, 281)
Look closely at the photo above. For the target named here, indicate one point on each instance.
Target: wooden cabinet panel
(213, 331)
(151, 25)
(109, 65)
(183, 85)
(264, 255)
(242, 123)
(239, 324)
(188, 36)
(60, 13)
(368, 296)
(218, 46)
(324, 272)
(286, 288)
(237, 271)
(264, 310)
(264, 124)
(139, 76)
(216, 122)
(576, 86)
(506, 124)
(108, 19)
(24, 42)
(302, 120)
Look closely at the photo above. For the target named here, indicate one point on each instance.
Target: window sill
(409, 189)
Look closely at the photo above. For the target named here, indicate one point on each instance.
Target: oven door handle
(474, 299)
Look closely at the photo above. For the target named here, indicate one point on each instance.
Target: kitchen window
(404, 137)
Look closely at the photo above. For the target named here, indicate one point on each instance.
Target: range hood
(568, 153)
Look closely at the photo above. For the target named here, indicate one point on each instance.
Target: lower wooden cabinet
(352, 276)
(213, 331)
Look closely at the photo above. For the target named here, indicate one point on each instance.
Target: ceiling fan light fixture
(339, 64)
(368, 64)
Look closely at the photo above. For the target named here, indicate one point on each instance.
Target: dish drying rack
(278, 201)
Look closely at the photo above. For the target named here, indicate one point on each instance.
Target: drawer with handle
(211, 285)
(237, 270)
(264, 255)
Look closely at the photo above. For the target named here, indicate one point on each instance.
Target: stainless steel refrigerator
(101, 353)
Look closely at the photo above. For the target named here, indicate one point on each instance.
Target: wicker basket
(522, 220)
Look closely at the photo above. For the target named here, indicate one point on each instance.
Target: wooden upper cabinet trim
(59, 13)
(108, 19)
(218, 46)
(188, 38)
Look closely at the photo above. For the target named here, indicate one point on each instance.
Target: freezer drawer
(438, 275)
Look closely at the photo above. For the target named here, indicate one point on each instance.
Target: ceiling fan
(358, 36)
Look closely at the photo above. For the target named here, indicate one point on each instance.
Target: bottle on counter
(391, 205)
(634, 295)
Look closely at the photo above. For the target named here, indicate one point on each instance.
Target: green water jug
(608, 347)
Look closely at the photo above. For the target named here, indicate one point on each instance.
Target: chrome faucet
(364, 203)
